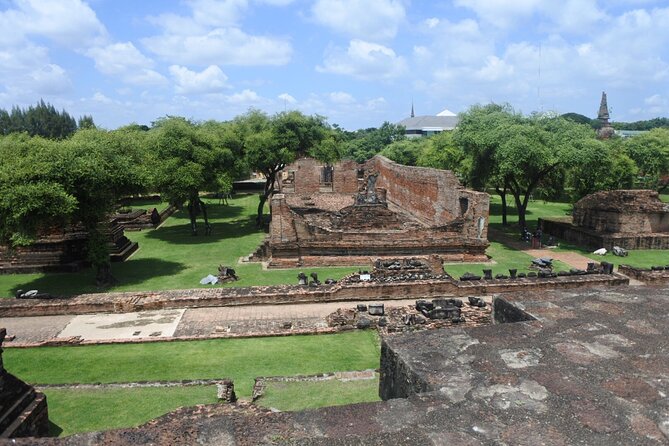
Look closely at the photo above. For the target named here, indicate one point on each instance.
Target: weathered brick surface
(511, 384)
(422, 211)
(631, 219)
(139, 301)
(23, 411)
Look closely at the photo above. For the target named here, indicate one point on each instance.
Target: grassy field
(504, 258)
(241, 360)
(85, 410)
(171, 258)
(291, 396)
(238, 359)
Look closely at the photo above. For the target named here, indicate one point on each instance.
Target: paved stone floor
(267, 319)
(143, 324)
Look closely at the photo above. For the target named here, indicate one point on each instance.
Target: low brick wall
(644, 274)
(292, 294)
(589, 238)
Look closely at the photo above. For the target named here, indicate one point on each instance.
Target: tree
(189, 159)
(40, 120)
(86, 122)
(45, 183)
(405, 151)
(272, 143)
(650, 152)
(600, 166)
(514, 152)
(364, 144)
(441, 152)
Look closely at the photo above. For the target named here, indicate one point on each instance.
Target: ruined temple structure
(605, 130)
(351, 213)
(23, 411)
(63, 250)
(631, 219)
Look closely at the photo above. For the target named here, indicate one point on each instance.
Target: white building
(427, 125)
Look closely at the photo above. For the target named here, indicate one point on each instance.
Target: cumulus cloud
(212, 34)
(228, 46)
(287, 98)
(125, 61)
(245, 96)
(340, 97)
(70, 23)
(377, 19)
(209, 80)
(364, 60)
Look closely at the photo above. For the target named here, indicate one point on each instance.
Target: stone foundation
(630, 219)
(350, 213)
(23, 411)
(418, 289)
(593, 240)
(63, 251)
(646, 275)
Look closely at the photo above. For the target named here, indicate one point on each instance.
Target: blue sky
(358, 62)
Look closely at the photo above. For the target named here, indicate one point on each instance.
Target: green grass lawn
(238, 359)
(504, 257)
(241, 360)
(171, 258)
(146, 203)
(291, 396)
(73, 411)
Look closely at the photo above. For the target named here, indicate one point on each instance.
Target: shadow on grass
(54, 429)
(181, 234)
(214, 211)
(131, 272)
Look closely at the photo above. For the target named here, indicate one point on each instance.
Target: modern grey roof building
(427, 125)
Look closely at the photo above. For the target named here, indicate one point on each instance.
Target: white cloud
(340, 97)
(209, 80)
(431, 22)
(495, 69)
(377, 19)
(225, 46)
(70, 23)
(50, 79)
(100, 97)
(124, 60)
(287, 98)
(364, 60)
(501, 13)
(244, 97)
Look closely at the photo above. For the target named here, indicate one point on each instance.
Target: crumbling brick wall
(433, 195)
(419, 211)
(623, 211)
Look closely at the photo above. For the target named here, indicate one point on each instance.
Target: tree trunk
(521, 206)
(267, 192)
(502, 195)
(103, 275)
(192, 213)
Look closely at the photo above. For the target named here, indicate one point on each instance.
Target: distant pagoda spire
(603, 114)
(605, 130)
(412, 113)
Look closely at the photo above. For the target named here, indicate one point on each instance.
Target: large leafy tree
(189, 159)
(272, 143)
(45, 183)
(600, 165)
(39, 120)
(514, 153)
(363, 144)
(650, 151)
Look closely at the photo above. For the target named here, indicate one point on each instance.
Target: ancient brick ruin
(630, 219)
(63, 250)
(23, 411)
(352, 213)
